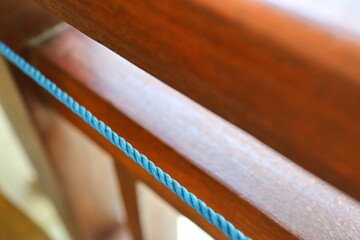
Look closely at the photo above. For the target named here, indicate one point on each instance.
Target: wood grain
(258, 190)
(289, 82)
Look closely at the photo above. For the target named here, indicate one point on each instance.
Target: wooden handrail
(292, 84)
(258, 190)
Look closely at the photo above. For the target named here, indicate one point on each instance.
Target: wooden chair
(249, 106)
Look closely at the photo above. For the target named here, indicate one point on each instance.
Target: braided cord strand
(209, 214)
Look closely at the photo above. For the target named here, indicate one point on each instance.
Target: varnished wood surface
(340, 17)
(20, 20)
(258, 190)
(14, 225)
(291, 83)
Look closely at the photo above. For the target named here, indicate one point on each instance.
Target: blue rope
(209, 214)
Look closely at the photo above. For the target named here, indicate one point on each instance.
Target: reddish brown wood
(129, 196)
(335, 16)
(166, 194)
(258, 190)
(293, 84)
(20, 20)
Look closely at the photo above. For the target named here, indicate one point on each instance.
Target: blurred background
(19, 186)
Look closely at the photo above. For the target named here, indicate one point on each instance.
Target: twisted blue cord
(210, 215)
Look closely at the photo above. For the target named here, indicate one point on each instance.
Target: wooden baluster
(14, 105)
(255, 188)
(128, 191)
(85, 173)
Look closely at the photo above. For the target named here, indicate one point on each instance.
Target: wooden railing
(289, 83)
